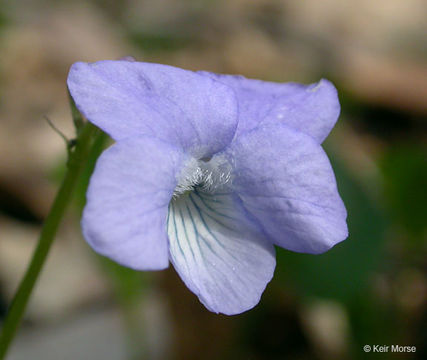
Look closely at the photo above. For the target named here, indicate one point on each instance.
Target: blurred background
(370, 289)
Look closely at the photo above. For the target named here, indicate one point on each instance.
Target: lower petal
(220, 255)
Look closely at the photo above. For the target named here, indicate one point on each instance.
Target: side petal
(218, 253)
(286, 182)
(127, 202)
(312, 109)
(126, 98)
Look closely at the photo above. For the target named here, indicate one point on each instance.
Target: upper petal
(312, 109)
(285, 180)
(184, 108)
(127, 202)
(220, 255)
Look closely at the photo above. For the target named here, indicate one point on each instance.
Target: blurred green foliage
(404, 170)
(156, 42)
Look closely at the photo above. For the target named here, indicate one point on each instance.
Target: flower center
(205, 175)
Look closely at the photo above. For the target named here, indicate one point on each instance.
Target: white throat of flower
(209, 176)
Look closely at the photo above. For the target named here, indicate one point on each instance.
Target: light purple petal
(286, 182)
(126, 99)
(218, 253)
(127, 202)
(312, 109)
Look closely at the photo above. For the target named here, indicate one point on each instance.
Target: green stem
(76, 161)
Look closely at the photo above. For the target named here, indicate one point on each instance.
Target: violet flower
(209, 172)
